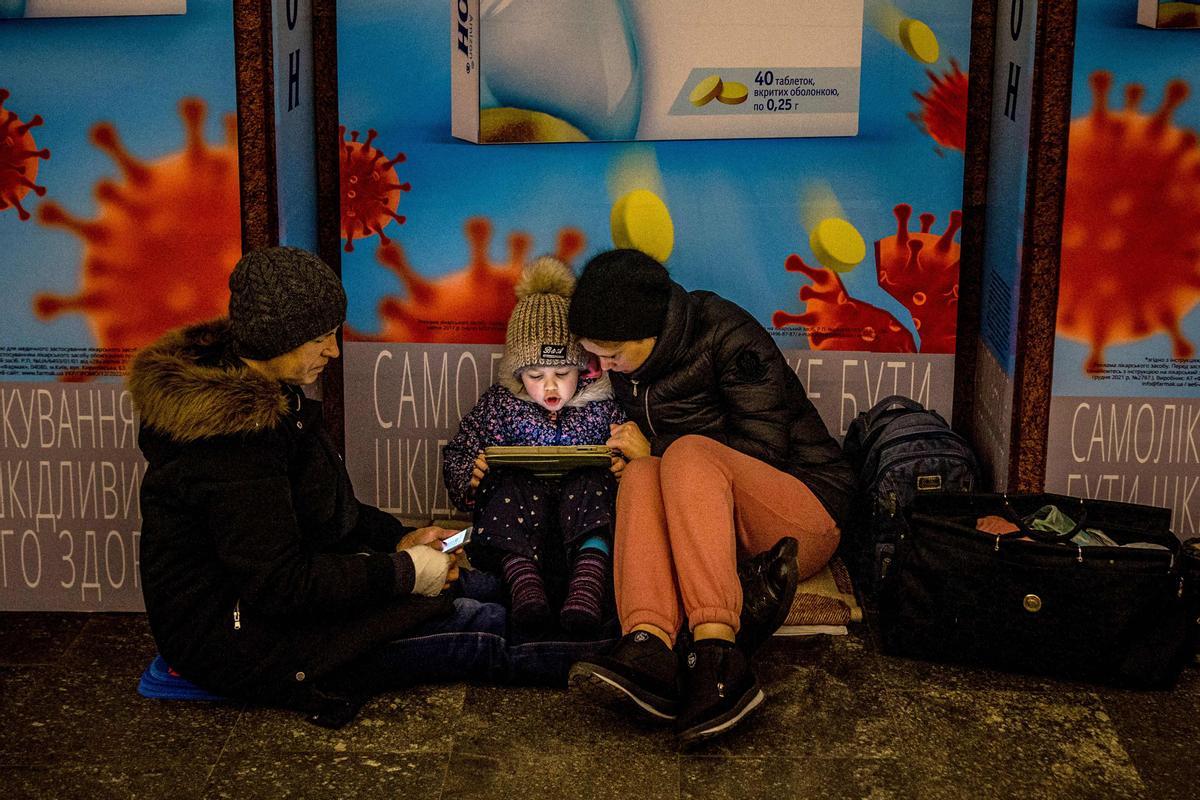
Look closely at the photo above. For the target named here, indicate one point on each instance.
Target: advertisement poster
(845, 248)
(119, 220)
(1125, 413)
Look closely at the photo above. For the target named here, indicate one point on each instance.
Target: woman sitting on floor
(727, 458)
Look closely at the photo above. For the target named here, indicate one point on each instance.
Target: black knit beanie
(620, 296)
(280, 298)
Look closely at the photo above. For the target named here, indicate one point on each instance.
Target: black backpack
(897, 448)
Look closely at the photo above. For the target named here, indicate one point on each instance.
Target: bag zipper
(237, 615)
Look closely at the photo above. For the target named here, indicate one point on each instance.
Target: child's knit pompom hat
(537, 330)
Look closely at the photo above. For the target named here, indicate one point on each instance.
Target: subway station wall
(437, 228)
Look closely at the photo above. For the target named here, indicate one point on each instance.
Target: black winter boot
(640, 670)
(769, 583)
(720, 690)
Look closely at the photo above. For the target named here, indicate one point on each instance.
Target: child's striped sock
(530, 609)
(583, 608)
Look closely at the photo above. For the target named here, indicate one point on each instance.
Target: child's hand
(628, 438)
(480, 469)
(617, 466)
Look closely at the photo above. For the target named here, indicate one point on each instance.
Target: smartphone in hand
(457, 541)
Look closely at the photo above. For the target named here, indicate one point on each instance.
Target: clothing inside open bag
(1051, 519)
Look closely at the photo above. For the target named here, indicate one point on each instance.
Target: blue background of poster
(130, 71)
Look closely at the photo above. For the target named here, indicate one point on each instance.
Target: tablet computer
(549, 460)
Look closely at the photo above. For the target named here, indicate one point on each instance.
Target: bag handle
(889, 403)
(1046, 536)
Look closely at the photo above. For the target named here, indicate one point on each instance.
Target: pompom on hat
(280, 298)
(538, 334)
(621, 296)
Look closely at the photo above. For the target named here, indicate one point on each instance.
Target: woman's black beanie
(620, 296)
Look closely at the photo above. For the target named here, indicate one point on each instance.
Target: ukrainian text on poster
(1134, 450)
(70, 478)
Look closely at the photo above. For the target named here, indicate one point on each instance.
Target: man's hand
(427, 535)
(432, 569)
(481, 468)
(433, 536)
(628, 438)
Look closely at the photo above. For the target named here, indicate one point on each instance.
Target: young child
(524, 525)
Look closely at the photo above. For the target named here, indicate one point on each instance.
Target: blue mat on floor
(161, 683)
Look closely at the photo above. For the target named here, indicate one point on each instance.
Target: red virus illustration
(470, 306)
(370, 188)
(918, 268)
(19, 156)
(1131, 224)
(837, 322)
(159, 253)
(944, 108)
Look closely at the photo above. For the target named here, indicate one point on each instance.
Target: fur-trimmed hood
(590, 390)
(189, 385)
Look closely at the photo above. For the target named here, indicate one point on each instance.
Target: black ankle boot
(720, 690)
(769, 583)
(640, 673)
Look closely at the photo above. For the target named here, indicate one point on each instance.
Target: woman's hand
(627, 437)
(480, 469)
(617, 466)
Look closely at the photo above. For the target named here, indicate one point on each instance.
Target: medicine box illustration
(1169, 13)
(607, 70)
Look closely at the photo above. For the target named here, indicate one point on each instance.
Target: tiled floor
(841, 721)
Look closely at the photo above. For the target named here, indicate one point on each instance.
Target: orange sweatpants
(683, 520)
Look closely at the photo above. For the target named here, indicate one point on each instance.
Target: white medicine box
(608, 70)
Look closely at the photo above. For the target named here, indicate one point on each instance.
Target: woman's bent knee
(641, 469)
(690, 449)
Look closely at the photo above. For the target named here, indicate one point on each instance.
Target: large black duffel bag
(1034, 601)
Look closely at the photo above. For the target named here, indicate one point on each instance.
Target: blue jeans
(469, 644)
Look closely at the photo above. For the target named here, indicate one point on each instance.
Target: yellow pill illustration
(521, 125)
(706, 90)
(733, 93)
(640, 221)
(919, 41)
(837, 244)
